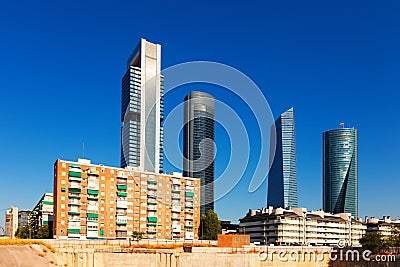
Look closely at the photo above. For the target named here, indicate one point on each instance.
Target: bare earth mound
(29, 256)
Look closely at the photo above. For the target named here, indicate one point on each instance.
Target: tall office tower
(282, 177)
(142, 109)
(198, 144)
(340, 171)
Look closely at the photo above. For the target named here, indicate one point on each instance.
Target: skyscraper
(198, 144)
(340, 171)
(282, 177)
(142, 109)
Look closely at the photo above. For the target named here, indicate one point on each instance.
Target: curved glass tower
(282, 177)
(340, 171)
(198, 144)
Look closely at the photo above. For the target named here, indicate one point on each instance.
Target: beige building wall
(11, 222)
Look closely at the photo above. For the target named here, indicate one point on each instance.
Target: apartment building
(95, 201)
(298, 226)
(385, 226)
(15, 218)
(42, 213)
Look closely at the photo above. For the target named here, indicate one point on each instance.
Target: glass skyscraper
(340, 171)
(198, 145)
(282, 177)
(142, 109)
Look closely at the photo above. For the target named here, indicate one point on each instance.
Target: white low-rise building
(297, 226)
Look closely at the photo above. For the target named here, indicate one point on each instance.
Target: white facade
(385, 225)
(298, 226)
(142, 109)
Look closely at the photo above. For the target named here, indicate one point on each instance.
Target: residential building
(198, 144)
(142, 109)
(297, 226)
(96, 201)
(42, 213)
(228, 227)
(11, 221)
(386, 226)
(15, 218)
(340, 171)
(282, 177)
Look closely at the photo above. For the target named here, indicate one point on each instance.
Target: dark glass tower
(198, 144)
(282, 177)
(340, 171)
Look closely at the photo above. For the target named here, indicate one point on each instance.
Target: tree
(372, 241)
(43, 232)
(210, 226)
(24, 232)
(137, 235)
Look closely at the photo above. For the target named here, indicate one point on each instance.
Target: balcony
(153, 231)
(176, 197)
(151, 202)
(152, 207)
(188, 211)
(122, 174)
(176, 209)
(151, 224)
(92, 215)
(122, 219)
(176, 229)
(74, 190)
(151, 196)
(75, 179)
(189, 188)
(189, 205)
(74, 212)
(74, 231)
(175, 219)
(189, 218)
(122, 204)
(74, 224)
(92, 192)
(93, 172)
(152, 187)
(122, 181)
(122, 194)
(74, 202)
(122, 187)
(189, 226)
(176, 191)
(74, 196)
(74, 174)
(152, 219)
(93, 197)
(176, 181)
(151, 182)
(189, 194)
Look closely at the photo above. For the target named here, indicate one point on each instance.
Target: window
(63, 189)
(237, 239)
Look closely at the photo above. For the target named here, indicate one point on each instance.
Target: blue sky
(61, 65)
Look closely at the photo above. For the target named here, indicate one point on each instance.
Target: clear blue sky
(61, 64)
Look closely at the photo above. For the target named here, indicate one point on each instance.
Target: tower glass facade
(340, 171)
(198, 147)
(282, 178)
(142, 109)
